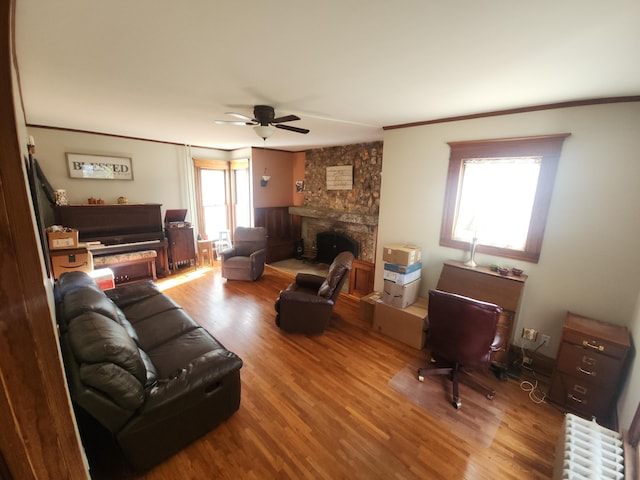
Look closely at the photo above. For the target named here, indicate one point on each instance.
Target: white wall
(630, 397)
(589, 262)
(159, 174)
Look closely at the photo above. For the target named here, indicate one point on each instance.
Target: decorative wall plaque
(340, 177)
(99, 167)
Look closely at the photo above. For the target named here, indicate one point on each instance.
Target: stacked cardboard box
(407, 325)
(402, 273)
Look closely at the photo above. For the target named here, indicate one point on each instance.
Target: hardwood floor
(322, 407)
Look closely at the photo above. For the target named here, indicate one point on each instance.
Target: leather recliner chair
(246, 258)
(306, 305)
(461, 336)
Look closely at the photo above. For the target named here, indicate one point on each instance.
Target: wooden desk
(483, 284)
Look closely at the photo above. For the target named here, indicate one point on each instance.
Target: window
(223, 195)
(499, 191)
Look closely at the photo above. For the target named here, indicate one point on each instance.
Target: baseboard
(541, 365)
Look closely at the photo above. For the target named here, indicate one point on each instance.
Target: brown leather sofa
(142, 367)
(306, 305)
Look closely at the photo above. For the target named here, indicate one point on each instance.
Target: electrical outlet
(529, 334)
(545, 340)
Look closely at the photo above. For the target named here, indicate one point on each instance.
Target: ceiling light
(264, 131)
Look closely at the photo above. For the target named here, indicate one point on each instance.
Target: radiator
(586, 450)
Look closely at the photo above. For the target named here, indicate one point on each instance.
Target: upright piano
(119, 229)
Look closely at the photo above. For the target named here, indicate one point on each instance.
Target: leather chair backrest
(247, 240)
(461, 329)
(338, 272)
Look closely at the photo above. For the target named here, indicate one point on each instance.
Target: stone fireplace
(353, 211)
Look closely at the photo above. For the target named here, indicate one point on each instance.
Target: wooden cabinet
(590, 368)
(361, 278)
(182, 249)
(483, 284)
(283, 231)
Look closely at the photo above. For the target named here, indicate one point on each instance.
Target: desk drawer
(581, 396)
(595, 344)
(585, 364)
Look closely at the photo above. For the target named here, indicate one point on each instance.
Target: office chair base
(457, 375)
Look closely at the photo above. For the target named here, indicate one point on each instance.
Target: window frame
(547, 147)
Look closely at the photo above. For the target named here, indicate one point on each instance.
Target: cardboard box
(407, 325)
(402, 274)
(400, 296)
(60, 240)
(70, 260)
(367, 306)
(401, 254)
(104, 278)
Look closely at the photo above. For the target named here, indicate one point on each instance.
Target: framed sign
(340, 178)
(99, 167)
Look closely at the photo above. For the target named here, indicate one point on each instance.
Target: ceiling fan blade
(286, 118)
(292, 129)
(239, 115)
(231, 122)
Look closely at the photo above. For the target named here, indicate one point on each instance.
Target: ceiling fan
(264, 121)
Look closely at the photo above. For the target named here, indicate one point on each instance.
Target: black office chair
(460, 337)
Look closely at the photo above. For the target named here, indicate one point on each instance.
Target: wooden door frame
(38, 435)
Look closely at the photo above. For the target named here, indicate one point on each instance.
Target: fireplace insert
(330, 244)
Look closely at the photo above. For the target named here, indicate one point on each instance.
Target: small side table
(205, 250)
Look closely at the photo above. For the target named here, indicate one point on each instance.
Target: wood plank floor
(322, 407)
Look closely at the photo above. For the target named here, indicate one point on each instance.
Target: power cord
(536, 395)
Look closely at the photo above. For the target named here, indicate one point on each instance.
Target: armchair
(461, 336)
(306, 305)
(245, 259)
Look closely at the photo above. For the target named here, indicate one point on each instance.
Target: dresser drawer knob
(586, 372)
(600, 348)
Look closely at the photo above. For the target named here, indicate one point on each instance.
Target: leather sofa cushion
(71, 280)
(87, 299)
(149, 307)
(171, 357)
(152, 372)
(162, 327)
(111, 379)
(133, 293)
(97, 339)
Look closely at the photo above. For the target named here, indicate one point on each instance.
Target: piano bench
(130, 266)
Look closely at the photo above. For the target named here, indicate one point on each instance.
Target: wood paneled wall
(283, 230)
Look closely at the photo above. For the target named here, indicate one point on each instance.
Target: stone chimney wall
(351, 212)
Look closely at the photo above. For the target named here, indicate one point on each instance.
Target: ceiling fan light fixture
(264, 131)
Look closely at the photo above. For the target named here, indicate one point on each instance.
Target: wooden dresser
(590, 368)
(483, 284)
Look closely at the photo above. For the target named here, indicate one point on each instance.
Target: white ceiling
(166, 69)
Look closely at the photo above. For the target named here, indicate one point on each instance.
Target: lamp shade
(264, 131)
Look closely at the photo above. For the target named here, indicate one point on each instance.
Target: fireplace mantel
(325, 213)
